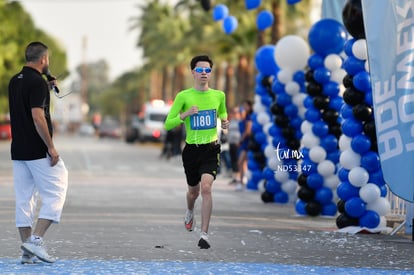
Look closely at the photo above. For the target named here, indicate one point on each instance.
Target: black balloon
(288, 133)
(374, 145)
(353, 19)
(330, 116)
(276, 109)
(348, 81)
(343, 220)
(313, 208)
(309, 76)
(206, 4)
(267, 82)
(321, 102)
(282, 121)
(314, 89)
(306, 194)
(353, 97)
(335, 130)
(302, 180)
(362, 112)
(369, 129)
(293, 144)
(267, 196)
(341, 206)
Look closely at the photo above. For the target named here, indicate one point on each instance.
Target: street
(124, 215)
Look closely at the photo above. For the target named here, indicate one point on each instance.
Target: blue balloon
(265, 61)
(274, 131)
(299, 77)
(220, 12)
(321, 75)
(256, 176)
(343, 174)
(315, 61)
(331, 89)
(353, 65)
(370, 161)
(292, 2)
(256, 127)
(264, 20)
(308, 102)
(284, 99)
(300, 207)
(346, 191)
(348, 47)
(252, 4)
(230, 24)
(312, 114)
(370, 219)
(329, 209)
(254, 166)
(323, 195)
(314, 181)
(329, 143)
(351, 127)
(252, 185)
(355, 207)
(272, 186)
(362, 81)
(346, 111)
(377, 177)
(361, 144)
(291, 110)
(268, 173)
(320, 128)
(296, 122)
(260, 137)
(281, 197)
(336, 103)
(261, 90)
(278, 87)
(368, 98)
(327, 36)
(266, 100)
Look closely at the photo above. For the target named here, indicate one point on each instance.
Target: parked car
(148, 125)
(5, 130)
(110, 128)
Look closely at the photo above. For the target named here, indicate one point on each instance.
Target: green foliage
(17, 30)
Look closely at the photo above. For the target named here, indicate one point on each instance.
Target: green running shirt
(200, 128)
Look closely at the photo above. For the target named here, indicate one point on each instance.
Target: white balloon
(269, 151)
(349, 159)
(261, 186)
(292, 52)
(358, 176)
(366, 65)
(331, 182)
(289, 186)
(333, 62)
(369, 192)
(292, 88)
(263, 118)
(301, 112)
(317, 154)
(338, 75)
(359, 49)
(281, 176)
(326, 168)
(273, 163)
(298, 99)
(258, 107)
(309, 140)
(267, 126)
(306, 127)
(285, 76)
(344, 142)
(381, 206)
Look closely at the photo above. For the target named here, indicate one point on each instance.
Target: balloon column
(362, 189)
(261, 124)
(321, 128)
(291, 55)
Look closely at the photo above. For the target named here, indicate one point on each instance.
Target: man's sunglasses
(200, 70)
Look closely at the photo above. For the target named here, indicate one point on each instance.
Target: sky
(104, 24)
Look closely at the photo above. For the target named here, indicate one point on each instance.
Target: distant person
(233, 138)
(198, 108)
(37, 167)
(245, 126)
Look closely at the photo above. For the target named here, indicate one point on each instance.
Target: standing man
(198, 108)
(37, 167)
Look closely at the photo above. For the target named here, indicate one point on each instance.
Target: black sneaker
(203, 244)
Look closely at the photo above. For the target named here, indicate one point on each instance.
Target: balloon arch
(314, 142)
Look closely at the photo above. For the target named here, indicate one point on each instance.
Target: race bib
(206, 119)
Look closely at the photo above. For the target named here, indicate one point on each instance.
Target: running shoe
(37, 248)
(203, 242)
(28, 258)
(189, 221)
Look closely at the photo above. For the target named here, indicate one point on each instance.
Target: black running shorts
(200, 159)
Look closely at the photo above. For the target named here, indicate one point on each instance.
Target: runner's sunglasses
(200, 70)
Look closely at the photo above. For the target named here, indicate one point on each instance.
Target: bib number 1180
(203, 120)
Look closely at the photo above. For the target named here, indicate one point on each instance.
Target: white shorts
(37, 177)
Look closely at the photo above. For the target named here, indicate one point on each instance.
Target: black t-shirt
(27, 90)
